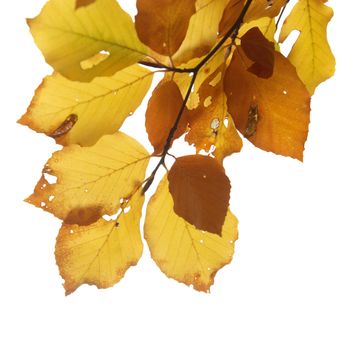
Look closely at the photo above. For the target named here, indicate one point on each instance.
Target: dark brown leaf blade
(82, 3)
(201, 191)
(259, 50)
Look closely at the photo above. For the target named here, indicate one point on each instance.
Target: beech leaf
(201, 191)
(91, 181)
(272, 113)
(162, 24)
(100, 106)
(100, 253)
(259, 50)
(182, 251)
(68, 37)
(311, 54)
(162, 111)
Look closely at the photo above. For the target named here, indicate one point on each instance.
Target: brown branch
(232, 33)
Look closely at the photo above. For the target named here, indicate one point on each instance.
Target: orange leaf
(261, 51)
(272, 113)
(232, 10)
(162, 24)
(201, 191)
(264, 8)
(210, 124)
(162, 111)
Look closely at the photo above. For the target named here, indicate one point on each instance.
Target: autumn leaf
(272, 113)
(198, 41)
(91, 181)
(264, 8)
(311, 54)
(100, 253)
(162, 111)
(181, 251)
(259, 50)
(211, 126)
(68, 37)
(220, 76)
(100, 106)
(162, 24)
(201, 191)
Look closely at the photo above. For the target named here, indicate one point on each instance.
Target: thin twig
(232, 33)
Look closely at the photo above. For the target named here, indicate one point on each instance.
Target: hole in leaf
(215, 123)
(51, 179)
(95, 60)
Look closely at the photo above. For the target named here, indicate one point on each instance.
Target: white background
(287, 287)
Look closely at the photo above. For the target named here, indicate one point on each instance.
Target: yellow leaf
(180, 250)
(266, 25)
(100, 106)
(211, 126)
(272, 113)
(91, 181)
(311, 54)
(100, 253)
(202, 31)
(68, 37)
(162, 24)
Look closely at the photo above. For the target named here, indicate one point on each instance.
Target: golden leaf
(272, 113)
(68, 37)
(162, 24)
(181, 251)
(201, 191)
(210, 123)
(100, 253)
(91, 181)
(311, 54)
(199, 41)
(100, 106)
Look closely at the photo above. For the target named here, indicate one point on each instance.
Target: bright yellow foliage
(311, 54)
(68, 37)
(180, 250)
(91, 181)
(100, 253)
(100, 106)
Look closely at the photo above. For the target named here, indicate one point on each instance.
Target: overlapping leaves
(225, 79)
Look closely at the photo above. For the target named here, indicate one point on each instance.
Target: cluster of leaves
(224, 78)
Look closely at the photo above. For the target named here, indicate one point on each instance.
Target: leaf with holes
(220, 77)
(69, 37)
(311, 53)
(91, 181)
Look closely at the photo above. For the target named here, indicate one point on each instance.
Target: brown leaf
(230, 15)
(162, 24)
(201, 191)
(82, 3)
(273, 113)
(162, 111)
(264, 8)
(210, 123)
(261, 51)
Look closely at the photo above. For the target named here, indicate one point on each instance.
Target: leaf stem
(232, 33)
